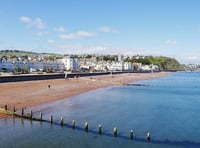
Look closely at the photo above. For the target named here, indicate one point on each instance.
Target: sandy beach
(32, 93)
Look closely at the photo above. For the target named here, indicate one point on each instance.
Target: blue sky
(130, 27)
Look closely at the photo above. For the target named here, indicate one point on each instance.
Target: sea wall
(72, 75)
(18, 78)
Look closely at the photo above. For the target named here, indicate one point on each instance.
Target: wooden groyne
(21, 114)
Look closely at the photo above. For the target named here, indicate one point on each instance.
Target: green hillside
(164, 63)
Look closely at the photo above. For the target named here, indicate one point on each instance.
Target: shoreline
(32, 93)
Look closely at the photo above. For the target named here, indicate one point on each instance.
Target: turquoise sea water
(167, 107)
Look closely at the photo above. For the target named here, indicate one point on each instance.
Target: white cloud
(82, 49)
(25, 19)
(107, 29)
(193, 58)
(189, 59)
(145, 52)
(37, 22)
(41, 33)
(103, 49)
(50, 41)
(60, 29)
(77, 35)
(104, 29)
(170, 42)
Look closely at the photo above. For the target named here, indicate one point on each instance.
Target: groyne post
(100, 129)
(22, 113)
(51, 119)
(115, 131)
(41, 116)
(73, 123)
(131, 134)
(148, 136)
(14, 110)
(61, 121)
(6, 107)
(31, 115)
(86, 126)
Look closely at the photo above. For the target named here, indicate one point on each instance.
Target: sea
(167, 107)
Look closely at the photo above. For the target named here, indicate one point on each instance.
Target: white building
(145, 68)
(155, 68)
(128, 66)
(101, 66)
(9, 65)
(116, 66)
(120, 57)
(149, 67)
(70, 63)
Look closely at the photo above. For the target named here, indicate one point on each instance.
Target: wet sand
(32, 93)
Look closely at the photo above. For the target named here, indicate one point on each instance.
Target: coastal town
(99, 74)
(39, 63)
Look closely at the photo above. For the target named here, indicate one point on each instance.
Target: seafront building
(147, 67)
(128, 66)
(116, 66)
(72, 64)
(69, 63)
(9, 65)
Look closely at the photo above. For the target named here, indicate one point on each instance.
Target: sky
(129, 27)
